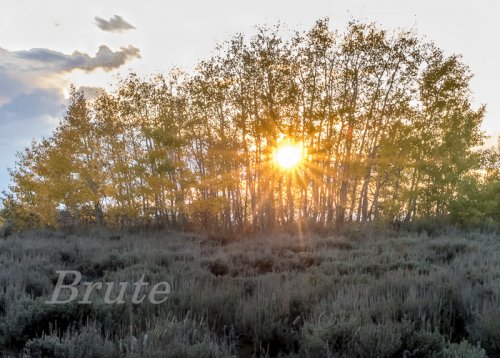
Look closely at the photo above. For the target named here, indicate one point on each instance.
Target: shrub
(47, 346)
(448, 250)
(218, 267)
(377, 340)
(183, 338)
(37, 285)
(425, 343)
(31, 318)
(463, 350)
(486, 329)
(86, 343)
(264, 264)
(280, 297)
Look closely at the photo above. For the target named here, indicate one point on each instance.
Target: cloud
(26, 116)
(26, 106)
(45, 60)
(9, 85)
(115, 24)
(32, 81)
(31, 92)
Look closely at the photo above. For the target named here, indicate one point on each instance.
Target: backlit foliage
(385, 122)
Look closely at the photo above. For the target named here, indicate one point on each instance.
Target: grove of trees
(386, 120)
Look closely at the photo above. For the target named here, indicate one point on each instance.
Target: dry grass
(351, 296)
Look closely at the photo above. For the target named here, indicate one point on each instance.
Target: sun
(288, 155)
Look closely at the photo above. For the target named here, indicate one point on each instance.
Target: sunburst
(288, 155)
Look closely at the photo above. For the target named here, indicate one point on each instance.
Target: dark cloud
(115, 24)
(41, 59)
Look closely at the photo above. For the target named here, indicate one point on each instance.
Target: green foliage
(14, 217)
(478, 200)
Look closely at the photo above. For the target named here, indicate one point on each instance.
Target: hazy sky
(46, 45)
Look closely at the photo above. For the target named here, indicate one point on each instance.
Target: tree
(478, 201)
(385, 121)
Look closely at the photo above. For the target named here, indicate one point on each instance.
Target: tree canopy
(386, 123)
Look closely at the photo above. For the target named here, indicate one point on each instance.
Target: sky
(45, 46)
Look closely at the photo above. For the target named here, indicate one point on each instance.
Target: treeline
(386, 122)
